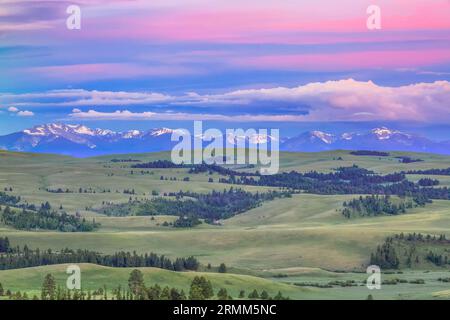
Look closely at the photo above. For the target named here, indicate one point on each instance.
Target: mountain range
(81, 141)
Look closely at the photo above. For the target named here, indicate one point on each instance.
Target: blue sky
(293, 65)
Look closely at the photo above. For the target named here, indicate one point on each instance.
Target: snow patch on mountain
(325, 137)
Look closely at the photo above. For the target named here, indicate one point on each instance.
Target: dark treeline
(427, 182)
(385, 256)
(125, 160)
(369, 153)
(374, 206)
(45, 218)
(440, 172)
(190, 206)
(346, 180)
(4, 245)
(408, 159)
(438, 259)
(17, 258)
(8, 200)
(200, 289)
(403, 249)
(201, 168)
(193, 168)
(420, 238)
(158, 164)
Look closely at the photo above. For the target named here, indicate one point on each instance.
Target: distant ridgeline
(408, 160)
(159, 164)
(28, 217)
(125, 160)
(412, 251)
(369, 153)
(375, 205)
(190, 206)
(346, 180)
(16, 258)
(403, 159)
(438, 172)
(193, 168)
(8, 200)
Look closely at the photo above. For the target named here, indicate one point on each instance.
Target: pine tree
(253, 295)
(222, 294)
(136, 282)
(222, 268)
(48, 288)
(201, 289)
(165, 294)
(264, 295)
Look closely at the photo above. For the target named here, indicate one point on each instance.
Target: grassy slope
(93, 277)
(305, 231)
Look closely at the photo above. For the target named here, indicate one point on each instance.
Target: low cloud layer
(343, 100)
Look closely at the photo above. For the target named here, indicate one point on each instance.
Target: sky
(291, 64)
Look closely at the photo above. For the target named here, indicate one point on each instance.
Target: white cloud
(25, 113)
(339, 100)
(80, 97)
(13, 109)
(128, 115)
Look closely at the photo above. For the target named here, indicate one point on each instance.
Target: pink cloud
(96, 71)
(344, 100)
(346, 60)
(267, 22)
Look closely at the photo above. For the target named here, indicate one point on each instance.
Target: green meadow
(278, 246)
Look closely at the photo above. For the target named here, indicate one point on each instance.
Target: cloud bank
(342, 100)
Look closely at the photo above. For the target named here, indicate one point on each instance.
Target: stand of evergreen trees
(376, 205)
(7, 200)
(438, 172)
(4, 245)
(199, 289)
(45, 218)
(16, 258)
(193, 168)
(190, 206)
(385, 256)
(201, 168)
(427, 182)
(408, 159)
(158, 164)
(369, 153)
(411, 249)
(346, 180)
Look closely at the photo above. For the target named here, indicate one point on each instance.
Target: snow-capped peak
(254, 138)
(160, 131)
(131, 134)
(59, 129)
(104, 132)
(384, 133)
(325, 137)
(36, 131)
(84, 130)
(347, 136)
